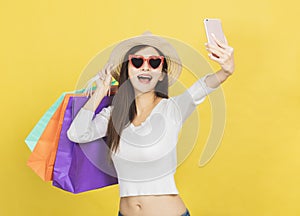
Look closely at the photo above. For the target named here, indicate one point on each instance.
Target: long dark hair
(124, 106)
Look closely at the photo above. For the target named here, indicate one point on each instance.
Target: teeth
(145, 77)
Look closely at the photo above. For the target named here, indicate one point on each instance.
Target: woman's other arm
(84, 128)
(193, 96)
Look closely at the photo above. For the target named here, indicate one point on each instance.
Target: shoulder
(169, 105)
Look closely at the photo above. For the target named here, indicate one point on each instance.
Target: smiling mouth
(144, 78)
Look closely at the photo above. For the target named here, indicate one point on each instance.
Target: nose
(145, 66)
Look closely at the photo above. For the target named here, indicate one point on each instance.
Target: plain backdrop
(46, 44)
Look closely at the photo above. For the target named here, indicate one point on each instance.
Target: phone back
(214, 26)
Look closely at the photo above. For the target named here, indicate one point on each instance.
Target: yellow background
(46, 44)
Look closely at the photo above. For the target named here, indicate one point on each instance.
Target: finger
(103, 71)
(215, 51)
(108, 69)
(230, 50)
(220, 43)
(107, 73)
(226, 40)
(219, 60)
(227, 47)
(108, 80)
(223, 51)
(101, 75)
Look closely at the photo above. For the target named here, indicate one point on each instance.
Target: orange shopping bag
(42, 158)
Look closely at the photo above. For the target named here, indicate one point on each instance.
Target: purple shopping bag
(82, 167)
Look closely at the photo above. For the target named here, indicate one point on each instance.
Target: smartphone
(213, 25)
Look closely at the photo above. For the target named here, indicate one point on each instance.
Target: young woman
(143, 122)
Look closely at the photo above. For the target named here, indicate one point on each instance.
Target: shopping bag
(34, 135)
(41, 160)
(82, 167)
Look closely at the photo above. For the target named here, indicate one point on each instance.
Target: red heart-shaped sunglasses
(138, 61)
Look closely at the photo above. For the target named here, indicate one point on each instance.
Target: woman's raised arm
(85, 129)
(180, 107)
(183, 105)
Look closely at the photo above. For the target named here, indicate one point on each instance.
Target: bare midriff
(149, 205)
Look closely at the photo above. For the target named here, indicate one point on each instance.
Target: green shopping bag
(39, 128)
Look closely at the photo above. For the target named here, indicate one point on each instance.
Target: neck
(144, 101)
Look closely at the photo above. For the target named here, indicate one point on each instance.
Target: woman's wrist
(102, 89)
(96, 98)
(222, 75)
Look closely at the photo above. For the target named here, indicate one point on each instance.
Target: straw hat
(147, 38)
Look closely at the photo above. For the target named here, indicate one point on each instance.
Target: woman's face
(145, 78)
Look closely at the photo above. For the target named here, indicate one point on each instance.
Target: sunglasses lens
(155, 63)
(137, 62)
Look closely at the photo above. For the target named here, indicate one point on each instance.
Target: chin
(143, 88)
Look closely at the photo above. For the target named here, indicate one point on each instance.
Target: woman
(143, 123)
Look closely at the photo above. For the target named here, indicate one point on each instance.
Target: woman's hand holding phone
(218, 46)
(223, 54)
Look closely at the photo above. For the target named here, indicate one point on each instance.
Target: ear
(161, 77)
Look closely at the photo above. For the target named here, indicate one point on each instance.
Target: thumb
(226, 40)
(107, 80)
(109, 69)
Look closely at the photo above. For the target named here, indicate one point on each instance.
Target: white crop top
(146, 160)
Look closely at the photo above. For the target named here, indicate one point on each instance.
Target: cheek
(157, 74)
(131, 72)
